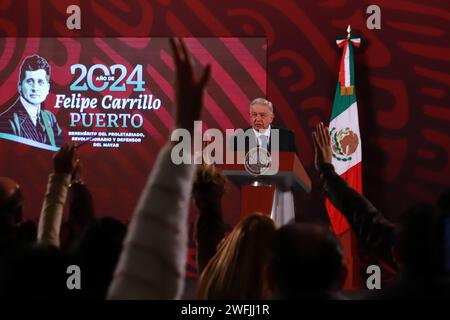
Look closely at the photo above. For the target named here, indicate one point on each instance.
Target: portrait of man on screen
(26, 120)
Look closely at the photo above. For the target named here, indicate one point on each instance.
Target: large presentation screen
(114, 97)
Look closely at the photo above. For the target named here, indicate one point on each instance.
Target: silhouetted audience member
(50, 219)
(34, 272)
(38, 271)
(10, 211)
(443, 202)
(414, 246)
(209, 187)
(307, 262)
(26, 232)
(153, 260)
(81, 213)
(237, 269)
(96, 252)
(418, 249)
(375, 233)
(444, 207)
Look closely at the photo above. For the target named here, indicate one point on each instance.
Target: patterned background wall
(402, 76)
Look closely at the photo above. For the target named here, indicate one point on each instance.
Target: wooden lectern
(257, 191)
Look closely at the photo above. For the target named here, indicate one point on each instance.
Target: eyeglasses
(262, 114)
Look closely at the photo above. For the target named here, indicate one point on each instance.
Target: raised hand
(77, 173)
(322, 146)
(209, 185)
(188, 89)
(65, 160)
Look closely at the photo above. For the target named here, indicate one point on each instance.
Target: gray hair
(262, 101)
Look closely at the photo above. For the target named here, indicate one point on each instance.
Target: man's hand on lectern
(188, 89)
(322, 146)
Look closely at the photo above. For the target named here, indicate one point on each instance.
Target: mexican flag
(344, 130)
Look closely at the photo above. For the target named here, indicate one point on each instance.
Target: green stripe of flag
(341, 103)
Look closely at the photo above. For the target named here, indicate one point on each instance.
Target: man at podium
(261, 135)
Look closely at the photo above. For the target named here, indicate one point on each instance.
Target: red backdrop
(402, 76)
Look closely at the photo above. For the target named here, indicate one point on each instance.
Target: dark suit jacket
(286, 140)
(15, 120)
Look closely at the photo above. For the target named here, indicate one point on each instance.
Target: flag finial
(349, 30)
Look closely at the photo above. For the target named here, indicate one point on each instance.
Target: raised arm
(50, 219)
(209, 187)
(373, 230)
(153, 260)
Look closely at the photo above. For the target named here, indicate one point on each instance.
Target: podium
(270, 192)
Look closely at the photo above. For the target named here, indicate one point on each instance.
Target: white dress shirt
(258, 135)
(32, 110)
